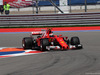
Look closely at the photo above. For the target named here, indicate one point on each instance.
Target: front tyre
(75, 41)
(27, 43)
(44, 43)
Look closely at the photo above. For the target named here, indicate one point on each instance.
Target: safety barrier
(50, 19)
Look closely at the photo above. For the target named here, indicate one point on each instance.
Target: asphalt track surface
(70, 62)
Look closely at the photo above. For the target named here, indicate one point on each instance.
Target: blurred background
(52, 6)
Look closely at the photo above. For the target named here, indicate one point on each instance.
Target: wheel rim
(23, 44)
(41, 47)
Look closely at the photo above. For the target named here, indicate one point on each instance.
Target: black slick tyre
(75, 41)
(27, 43)
(44, 43)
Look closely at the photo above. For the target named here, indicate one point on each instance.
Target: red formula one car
(45, 40)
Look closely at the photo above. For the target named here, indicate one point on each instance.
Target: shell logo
(62, 41)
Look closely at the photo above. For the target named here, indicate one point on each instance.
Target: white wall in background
(64, 6)
(63, 2)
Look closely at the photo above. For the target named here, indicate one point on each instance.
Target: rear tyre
(75, 41)
(27, 43)
(44, 43)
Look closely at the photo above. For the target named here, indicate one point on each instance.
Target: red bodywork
(62, 42)
(47, 34)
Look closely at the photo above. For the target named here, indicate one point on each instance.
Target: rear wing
(37, 32)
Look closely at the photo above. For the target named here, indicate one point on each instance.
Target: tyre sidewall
(75, 41)
(27, 43)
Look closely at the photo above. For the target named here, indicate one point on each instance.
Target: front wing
(59, 48)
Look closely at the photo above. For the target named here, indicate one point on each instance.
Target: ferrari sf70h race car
(45, 40)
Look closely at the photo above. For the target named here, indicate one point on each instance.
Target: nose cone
(62, 43)
(65, 47)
